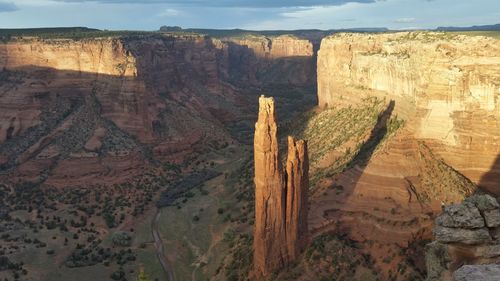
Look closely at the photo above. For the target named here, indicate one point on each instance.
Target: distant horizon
(257, 15)
(256, 30)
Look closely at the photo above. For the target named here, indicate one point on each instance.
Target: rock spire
(280, 231)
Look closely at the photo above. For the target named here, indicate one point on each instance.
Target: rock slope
(280, 231)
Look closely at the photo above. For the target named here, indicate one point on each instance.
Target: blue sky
(257, 14)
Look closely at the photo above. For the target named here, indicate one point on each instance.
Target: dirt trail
(159, 247)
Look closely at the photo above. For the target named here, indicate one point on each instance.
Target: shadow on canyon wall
(355, 168)
(490, 181)
(377, 134)
(245, 66)
(368, 148)
(142, 112)
(290, 80)
(48, 115)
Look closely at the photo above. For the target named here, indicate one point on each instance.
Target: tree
(142, 275)
(121, 238)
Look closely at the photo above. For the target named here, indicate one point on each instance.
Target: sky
(245, 14)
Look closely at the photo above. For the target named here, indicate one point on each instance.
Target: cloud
(404, 20)
(234, 3)
(169, 13)
(8, 7)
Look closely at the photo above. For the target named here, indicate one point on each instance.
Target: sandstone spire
(280, 231)
(297, 172)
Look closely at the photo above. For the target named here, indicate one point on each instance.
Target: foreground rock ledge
(280, 231)
(466, 234)
(487, 272)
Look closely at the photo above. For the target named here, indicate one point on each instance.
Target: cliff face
(446, 89)
(280, 231)
(276, 47)
(99, 56)
(446, 86)
(259, 60)
(77, 109)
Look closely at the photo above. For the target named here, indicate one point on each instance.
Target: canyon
(132, 101)
(396, 126)
(96, 129)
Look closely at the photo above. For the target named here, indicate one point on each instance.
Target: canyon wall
(445, 89)
(73, 110)
(260, 60)
(280, 231)
(446, 86)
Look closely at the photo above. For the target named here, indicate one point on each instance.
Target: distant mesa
(166, 28)
(492, 27)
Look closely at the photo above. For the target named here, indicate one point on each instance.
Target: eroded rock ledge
(488, 272)
(466, 234)
(280, 231)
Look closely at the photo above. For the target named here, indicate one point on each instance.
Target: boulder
(486, 272)
(464, 215)
(484, 202)
(492, 218)
(460, 235)
(495, 233)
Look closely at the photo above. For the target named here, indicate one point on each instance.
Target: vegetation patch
(182, 187)
(354, 133)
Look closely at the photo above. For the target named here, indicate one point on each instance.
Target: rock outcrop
(465, 233)
(489, 272)
(280, 231)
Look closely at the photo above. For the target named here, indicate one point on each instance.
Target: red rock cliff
(445, 85)
(162, 93)
(280, 196)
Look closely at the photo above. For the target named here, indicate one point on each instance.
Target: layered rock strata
(97, 110)
(466, 233)
(260, 60)
(447, 87)
(280, 231)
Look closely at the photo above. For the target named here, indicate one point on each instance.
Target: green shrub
(121, 238)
